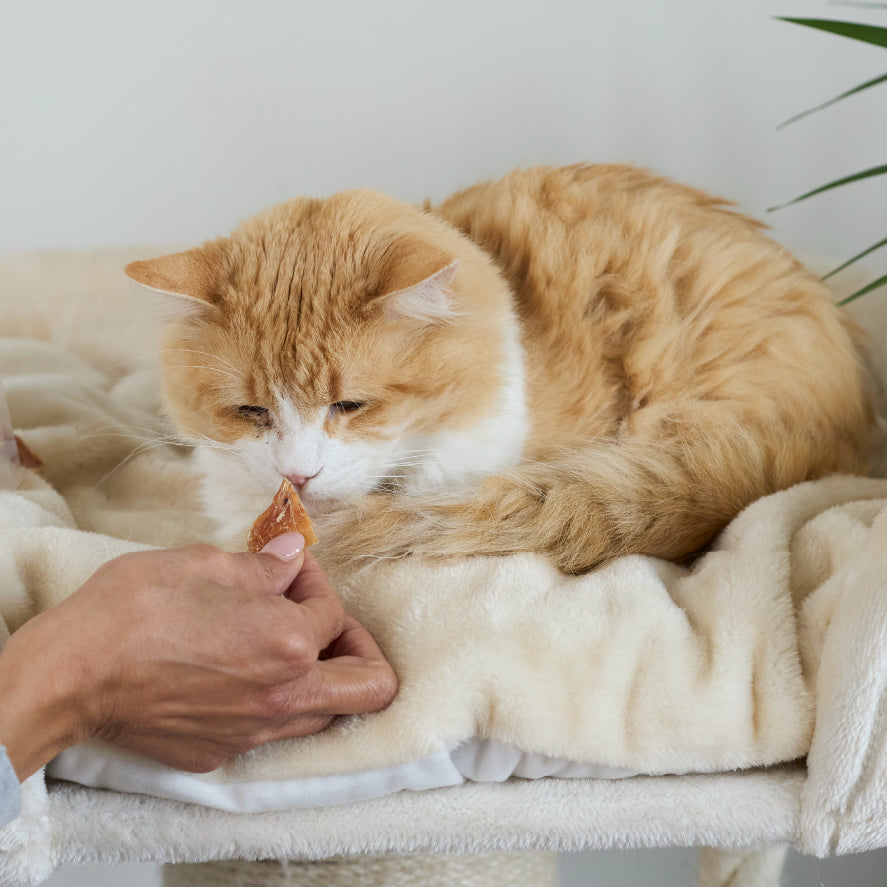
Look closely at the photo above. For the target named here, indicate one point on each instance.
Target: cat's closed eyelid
(345, 406)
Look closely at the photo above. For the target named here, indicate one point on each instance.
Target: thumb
(275, 567)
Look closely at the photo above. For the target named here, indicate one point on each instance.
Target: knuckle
(214, 558)
(297, 650)
(205, 552)
(122, 563)
(280, 705)
(277, 706)
(202, 560)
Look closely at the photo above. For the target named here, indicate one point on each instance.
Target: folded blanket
(642, 666)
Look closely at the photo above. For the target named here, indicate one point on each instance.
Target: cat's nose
(299, 480)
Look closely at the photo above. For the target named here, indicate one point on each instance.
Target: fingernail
(286, 546)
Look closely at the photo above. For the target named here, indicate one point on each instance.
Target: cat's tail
(668, 497)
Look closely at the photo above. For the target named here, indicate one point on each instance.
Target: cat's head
(342, 343)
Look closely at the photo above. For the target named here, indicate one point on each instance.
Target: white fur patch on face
(239, 481)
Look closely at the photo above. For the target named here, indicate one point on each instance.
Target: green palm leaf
(856, 258)
(837, 98)
(875, 284)
(855, 31)
(846, 180)
(876, 36)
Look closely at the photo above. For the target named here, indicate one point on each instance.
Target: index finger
(319, 603)
(354, 642)
(311, 582)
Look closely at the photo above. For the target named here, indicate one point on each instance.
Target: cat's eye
(346, 406)
(258, 415)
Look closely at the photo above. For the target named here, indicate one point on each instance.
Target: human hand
(189, 657)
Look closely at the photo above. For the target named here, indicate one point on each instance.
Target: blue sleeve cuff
(10, 790)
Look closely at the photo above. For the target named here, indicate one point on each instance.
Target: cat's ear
(430, 300)
(190, 278)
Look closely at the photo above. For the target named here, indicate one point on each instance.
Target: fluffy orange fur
(678, 363)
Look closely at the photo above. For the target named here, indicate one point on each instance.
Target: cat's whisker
(135, 359)
(124, 426)
(148, 435)
(157, 352)
(400, 463)
(200, 366)
(222, 372)
(200, 439)
(214, 445)
(217, 390)
(208, 442)
(138, 433)
(216, 357)
(159, 428)
(136, 439)
(415, 464)
(132, 373)
(139, 450)
(148, 446)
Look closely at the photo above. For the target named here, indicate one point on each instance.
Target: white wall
(169, 121)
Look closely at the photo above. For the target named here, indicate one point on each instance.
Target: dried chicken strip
(286, 514)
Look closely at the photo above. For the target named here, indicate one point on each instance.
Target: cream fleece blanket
(642, 665)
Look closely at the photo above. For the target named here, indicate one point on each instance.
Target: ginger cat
(585, 362)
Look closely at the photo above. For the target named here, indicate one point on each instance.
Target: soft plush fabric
(770, 646)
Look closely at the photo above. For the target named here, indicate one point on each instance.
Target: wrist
(40, 711)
